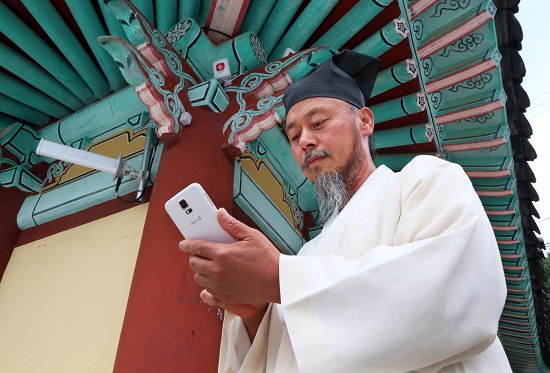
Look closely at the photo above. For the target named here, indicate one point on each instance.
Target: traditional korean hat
(348, 76)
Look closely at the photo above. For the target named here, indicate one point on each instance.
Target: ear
(366, 119)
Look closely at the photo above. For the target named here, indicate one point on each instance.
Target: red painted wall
(11, 200)
(166, 327)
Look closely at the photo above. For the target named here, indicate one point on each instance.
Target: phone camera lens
(183, 204)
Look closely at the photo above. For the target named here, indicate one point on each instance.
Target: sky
(533, 17)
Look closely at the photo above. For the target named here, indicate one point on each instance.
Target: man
(405, 275)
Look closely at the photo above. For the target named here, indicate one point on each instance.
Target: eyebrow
(309, 114)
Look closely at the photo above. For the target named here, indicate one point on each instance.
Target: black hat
(348, 76)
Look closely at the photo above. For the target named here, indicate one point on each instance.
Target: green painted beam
(121, 53)
(300, 31)
(97, 119)
(22, 92)
(114, 27)
(91, 27)
(26, 39)
(188, 9)
(203, 12)
(394, 76)
(389, 36)
(398, 108)
(256, 15)
(418, 134)
(56, 28)
(6, 120)
(354, 20)
(276, 24)
(19, 110)
(32, 73)
(146, 8)
(165, 15)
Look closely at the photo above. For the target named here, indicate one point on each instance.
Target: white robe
(407, 277)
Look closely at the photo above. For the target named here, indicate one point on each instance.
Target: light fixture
(118, 167)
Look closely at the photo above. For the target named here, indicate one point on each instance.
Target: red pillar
(166, 327)
(11, 200)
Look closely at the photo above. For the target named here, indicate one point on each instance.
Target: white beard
(332, 194)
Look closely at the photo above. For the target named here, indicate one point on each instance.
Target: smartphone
(194, 214)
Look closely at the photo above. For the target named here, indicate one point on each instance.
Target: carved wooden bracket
(153, 67)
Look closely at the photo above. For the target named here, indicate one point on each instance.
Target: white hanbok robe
(407, 277)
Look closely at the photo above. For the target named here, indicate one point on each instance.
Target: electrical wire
(214, 30)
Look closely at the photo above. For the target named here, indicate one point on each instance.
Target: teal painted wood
(458, 103)
(483, 134)
(56, 28)
(394, 76)
(277, 22)
(21, 111)
(113, 25)
(22, 92)
(6, 120)
(93, 189)
(203, 11)
(146, 8)
(273, 147)
(456, 129)
(300, 31)
(115, 111)
(254, 202)
(494, 184)
(165, 15)
(353, 21)
(442, 17)
(32, 73)
(26, 39)
(244, 52)
(91, 27)
(466, 51)
(419, 134)
(256, 15)
(210, 94)
(21, 141)
(21, 178)
(120, 51)
(389, 36)
(188, 9)
(398, 108)
(127, 18)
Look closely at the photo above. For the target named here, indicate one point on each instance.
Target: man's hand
(242, 273)
(251, 314)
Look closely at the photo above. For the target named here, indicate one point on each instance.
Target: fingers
(234, 227)
(204, 249)
(209, 299)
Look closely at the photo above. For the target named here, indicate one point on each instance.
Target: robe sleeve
(236, 349)
(431, 298)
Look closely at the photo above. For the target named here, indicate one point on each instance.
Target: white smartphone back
(194, 214)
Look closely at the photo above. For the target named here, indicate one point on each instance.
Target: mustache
(314, 153)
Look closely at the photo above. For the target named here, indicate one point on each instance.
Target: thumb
(234, 227)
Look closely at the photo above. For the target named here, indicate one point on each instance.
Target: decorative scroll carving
(468, 43)
(153, 67)
(258, 95)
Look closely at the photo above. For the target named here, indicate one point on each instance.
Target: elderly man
(405, 275)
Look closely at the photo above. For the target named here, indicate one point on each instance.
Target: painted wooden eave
(51, 68)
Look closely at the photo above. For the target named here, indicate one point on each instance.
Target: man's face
(324, 133)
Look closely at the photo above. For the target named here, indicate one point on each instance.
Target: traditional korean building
(190, 91)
